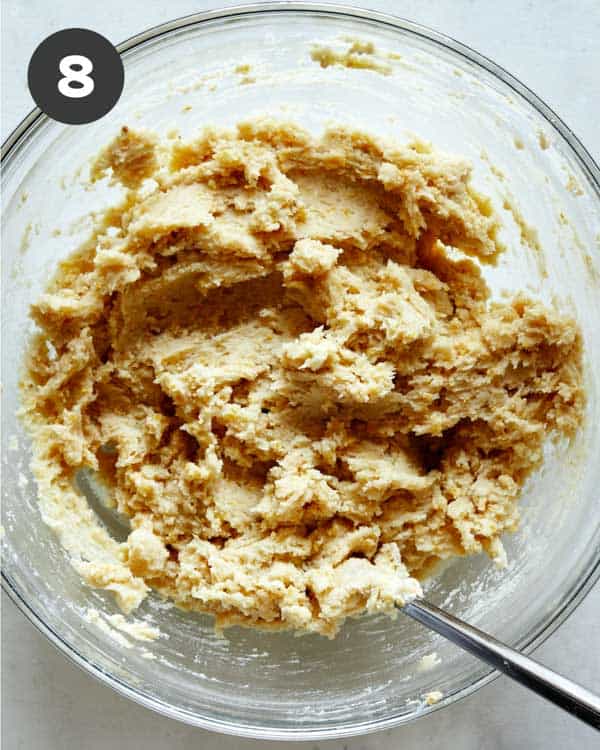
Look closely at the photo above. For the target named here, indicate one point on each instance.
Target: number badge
(75, 76)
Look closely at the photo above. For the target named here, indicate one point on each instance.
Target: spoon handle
(550, 685)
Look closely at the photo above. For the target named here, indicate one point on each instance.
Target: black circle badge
(75, 76)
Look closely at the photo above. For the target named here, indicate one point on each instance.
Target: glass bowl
(183, 74)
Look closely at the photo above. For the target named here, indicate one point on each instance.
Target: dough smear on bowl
(280, 356)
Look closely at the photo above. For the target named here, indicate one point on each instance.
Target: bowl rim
(585, 160)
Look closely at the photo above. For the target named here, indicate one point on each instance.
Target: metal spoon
(550, 685)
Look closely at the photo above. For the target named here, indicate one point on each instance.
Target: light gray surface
(49, 704)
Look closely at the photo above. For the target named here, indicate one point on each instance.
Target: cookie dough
(280, 356)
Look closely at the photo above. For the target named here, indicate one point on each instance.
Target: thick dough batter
(280, 355)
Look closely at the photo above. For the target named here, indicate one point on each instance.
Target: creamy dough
(280, 355)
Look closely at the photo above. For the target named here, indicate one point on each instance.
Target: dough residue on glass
(280, 356)
(428, 662)
(355, 54)
(435, 696)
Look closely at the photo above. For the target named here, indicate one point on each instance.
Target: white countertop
(49, 704)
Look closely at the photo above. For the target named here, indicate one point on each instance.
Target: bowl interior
(277, 684)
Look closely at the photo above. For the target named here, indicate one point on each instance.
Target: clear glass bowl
(277, 685)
